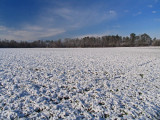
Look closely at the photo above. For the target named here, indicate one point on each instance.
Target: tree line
(105, 41)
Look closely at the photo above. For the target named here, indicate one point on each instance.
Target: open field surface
(80, 83)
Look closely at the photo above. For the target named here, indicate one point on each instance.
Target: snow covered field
(80, 83)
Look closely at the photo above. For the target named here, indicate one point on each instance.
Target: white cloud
(154, 12)
(138, 13)
(65, 13)
(2, 28)
(77, 18)
(54, 21)
(112, 12)
(150, 6)
(29, 33)
(37, 28)
(126, 11)
(156, 1)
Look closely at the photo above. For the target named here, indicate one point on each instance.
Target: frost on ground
(81, 83)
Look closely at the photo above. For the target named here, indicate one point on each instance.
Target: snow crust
(80, 83)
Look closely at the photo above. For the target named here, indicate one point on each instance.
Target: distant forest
(105, 41)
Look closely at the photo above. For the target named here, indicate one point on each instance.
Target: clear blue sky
(54, 19)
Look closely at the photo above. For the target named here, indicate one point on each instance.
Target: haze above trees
(105, 41)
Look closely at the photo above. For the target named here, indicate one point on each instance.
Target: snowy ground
(81, 83)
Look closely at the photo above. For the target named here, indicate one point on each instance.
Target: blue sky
(59, 19)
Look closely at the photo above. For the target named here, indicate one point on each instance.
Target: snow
(80, 83)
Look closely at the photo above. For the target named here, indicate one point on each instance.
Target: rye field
(80, 83)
